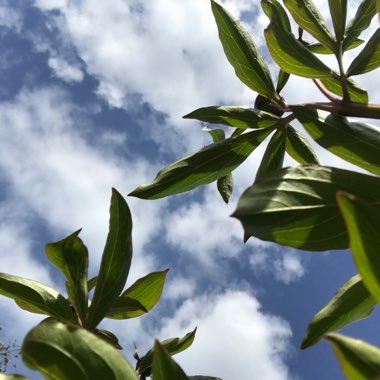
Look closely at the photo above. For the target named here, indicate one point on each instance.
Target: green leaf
(338, 11)
(66, 352)
(299, 148)
(297, 206)
(362, 221)
(282, 80)
(318, 48)
(92, 283)
(35, 297)
(225, 187)
(369, 58)
(355, 142)
(116, 261)
(70, 255)
(359, 360)
(109, 337)
(239, 117)
(360, 22)
(203, 167)
(139, 298)
(274, 155)
(308, 18)
(216, 134)
(288, 52)
(242, 53)
(357, 93)
(350, 303)
(12, 377)
(164, 367)
(172, 346)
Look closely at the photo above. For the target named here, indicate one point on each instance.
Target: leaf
(299, 148)
(355, 142)
(116, 261)
(359, 360)
(362, 221)
(297, 206)
(282, 80)
(357, 93)
(70, 255)
(360, 22)
(216, 134)
(239, 117)
(3, 376)
(288, 52)
(164, 367)
(225, 187)
(203, 167)
(139, 298)
(92, 283)
(318, 48)
(369, 58)
(36, 297)
(338, 11)
(274, 155)
(172, 346)
(308, 18)
(349, 304)
(242, 53)
(109, 337)
(66, 352)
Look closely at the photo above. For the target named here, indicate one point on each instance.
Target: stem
(342, 78)
(329, 95)
(370, 111)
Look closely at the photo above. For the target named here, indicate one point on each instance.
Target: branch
(329, 95)
(371, 111)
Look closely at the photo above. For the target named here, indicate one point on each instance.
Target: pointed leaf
(216, 134)
(338, 11)
(109, 337)
(350, 303)
(318, 48)
(92, 283)
(299, 148)
(203, 167)
(359, 360)
(116, 261)
(282, 80)
(357, 93)
(70, 255)
(242, 53)
(239, 117)
(225, 187)
(369, 58)
(36, 297)
(66, 352)
(297, 206)
(355, 142)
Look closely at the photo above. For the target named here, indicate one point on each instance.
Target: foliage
(310, 207)
(8, 351)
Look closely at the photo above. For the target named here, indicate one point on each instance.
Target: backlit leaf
(357, 93)
(318, 48)
(282, 80)
(338, 11)
(299, 148)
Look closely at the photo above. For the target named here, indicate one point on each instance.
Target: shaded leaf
(109, 337)
(355, 142)
(225, 187)
(92, 283)
(282, 80)
(357, 93)
(216, 134)
(350, 303)
(66, 352)
(299, 148)
(338, 11)
(359, 360)
(116, 261)
(203, 167)
(297, 206)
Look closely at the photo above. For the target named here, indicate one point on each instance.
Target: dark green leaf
(109, 337)
(172, 346)
(92, 283)
(297, 206)
(70, 255)
(369, 58)
(299, 148)
(355, 142)
(282, 80)
(318, 48)
(289, 53)
(360, 22)
(141, 297)
(359, 360)
(363, 221)
(35, 297)
(357, 93)
(216, 134)
(242, 53)
(66, 352)
(338, 11)
(274, 155)
(350, 303)
(239, 117)
(225, 187)
(308, 17)
(203, 167)
(116, 261)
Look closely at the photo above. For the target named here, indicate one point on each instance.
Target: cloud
(62, 69)
(10, 18)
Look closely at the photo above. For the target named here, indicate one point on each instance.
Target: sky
(92, 97)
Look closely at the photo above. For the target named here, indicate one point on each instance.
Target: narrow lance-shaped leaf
(299, 148)
(355, 142)
(338, 11)
(289, 53)
(282, 80)
(66, 352)
(359, 360)
(242, 53)
(356, 92)
(363, 221)
(70, 255)
(116, 261)
(318, 48)
(369, 58)
(203, 167)
(35, 297)
(350, 303)
(297, 206)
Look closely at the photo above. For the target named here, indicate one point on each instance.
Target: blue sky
(92, 97)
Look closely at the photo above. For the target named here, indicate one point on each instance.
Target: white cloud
(62, 69)
(9, 18)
